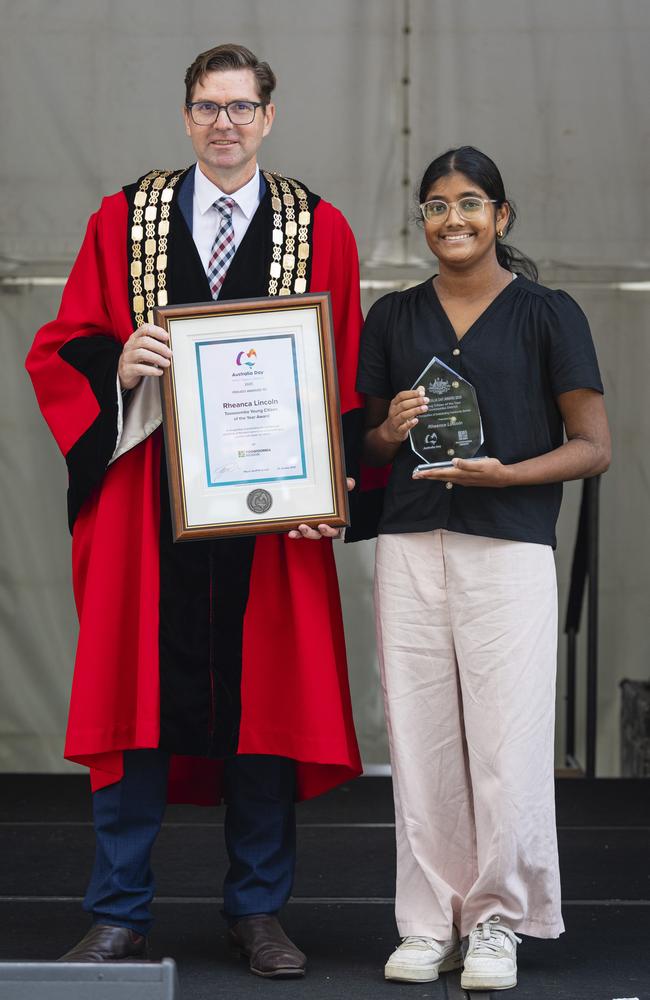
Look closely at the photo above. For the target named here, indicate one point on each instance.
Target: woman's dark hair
(484, 172)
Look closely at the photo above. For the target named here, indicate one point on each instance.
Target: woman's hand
(145, 353)
(586, 452)
(323, 530)
(388, 424)
(471, 472)
(403, 414)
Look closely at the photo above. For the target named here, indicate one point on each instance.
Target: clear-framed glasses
(238, 112)
(468, 208)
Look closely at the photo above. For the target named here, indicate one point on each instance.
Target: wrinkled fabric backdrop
(556, 93)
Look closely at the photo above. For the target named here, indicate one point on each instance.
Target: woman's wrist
(379, 448)
(385, 437)
(510, 475)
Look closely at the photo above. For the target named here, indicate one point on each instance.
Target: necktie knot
(225, 206)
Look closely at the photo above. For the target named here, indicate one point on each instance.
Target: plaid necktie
(223, 248)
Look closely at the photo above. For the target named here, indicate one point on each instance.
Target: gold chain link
(287, 264)
(149, 282)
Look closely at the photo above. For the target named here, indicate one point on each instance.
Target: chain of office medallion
(288, 271)
(150, 224)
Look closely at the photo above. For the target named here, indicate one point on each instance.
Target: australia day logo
(247, 358)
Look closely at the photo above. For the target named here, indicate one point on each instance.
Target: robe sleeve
(334, 240)
(73, 366)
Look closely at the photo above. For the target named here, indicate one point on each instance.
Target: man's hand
(471, 472)
(323, 531)
(145, 353)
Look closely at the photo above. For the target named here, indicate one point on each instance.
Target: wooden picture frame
(251, 416)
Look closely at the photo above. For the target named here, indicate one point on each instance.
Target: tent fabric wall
(556, 93)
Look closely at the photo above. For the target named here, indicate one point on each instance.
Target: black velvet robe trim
(96, 357)
(204, 586)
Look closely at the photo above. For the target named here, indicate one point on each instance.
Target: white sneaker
(491, 959)
(422, 959)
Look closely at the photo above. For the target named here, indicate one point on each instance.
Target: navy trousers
(260, 832)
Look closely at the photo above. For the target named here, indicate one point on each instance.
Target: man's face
(227, 153)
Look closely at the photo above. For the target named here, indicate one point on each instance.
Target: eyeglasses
(468, 208)
(238, 112)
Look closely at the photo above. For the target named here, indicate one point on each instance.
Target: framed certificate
(251, 417)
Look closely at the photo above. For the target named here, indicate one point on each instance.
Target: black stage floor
(341, 913)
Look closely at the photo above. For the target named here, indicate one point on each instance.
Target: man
(211, 665)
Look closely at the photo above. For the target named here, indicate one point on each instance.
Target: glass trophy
(451, 427)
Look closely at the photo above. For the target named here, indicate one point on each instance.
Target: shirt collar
(247, 198)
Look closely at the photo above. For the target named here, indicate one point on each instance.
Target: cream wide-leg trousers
(467, 637)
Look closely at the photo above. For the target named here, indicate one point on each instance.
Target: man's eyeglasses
(468, 208)
(238, 112)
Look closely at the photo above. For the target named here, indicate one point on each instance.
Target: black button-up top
(530, 345)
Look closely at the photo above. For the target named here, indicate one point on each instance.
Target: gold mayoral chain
(150, 228)
(286, 261)
(149, 277)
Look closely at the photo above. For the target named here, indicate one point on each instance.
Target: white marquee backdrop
(557, 93)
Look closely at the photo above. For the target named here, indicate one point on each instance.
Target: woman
(465, 587)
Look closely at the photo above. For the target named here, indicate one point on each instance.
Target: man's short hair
(230, 56)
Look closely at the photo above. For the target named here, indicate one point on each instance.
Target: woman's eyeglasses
(467, 208)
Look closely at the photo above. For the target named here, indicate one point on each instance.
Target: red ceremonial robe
(292, 689)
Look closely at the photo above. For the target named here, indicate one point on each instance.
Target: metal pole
(575, 601)
(570, 700)
(593, 486)
(406, 129)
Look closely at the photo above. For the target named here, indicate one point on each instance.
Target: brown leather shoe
(104, 943)
(269, 951)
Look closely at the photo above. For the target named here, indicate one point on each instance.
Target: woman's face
(459, 241)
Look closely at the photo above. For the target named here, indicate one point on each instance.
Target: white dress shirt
(206, 219)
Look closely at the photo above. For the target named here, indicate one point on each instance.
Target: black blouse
(530, 345)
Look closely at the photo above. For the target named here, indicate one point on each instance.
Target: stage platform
(342, 910)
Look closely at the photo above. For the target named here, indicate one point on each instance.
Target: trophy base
(445, 465)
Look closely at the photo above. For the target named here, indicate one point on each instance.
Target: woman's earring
(500, 233)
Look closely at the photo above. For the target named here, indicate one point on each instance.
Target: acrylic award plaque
(451, 427)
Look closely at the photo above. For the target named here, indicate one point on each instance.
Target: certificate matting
(251, 417)
(228, 428)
